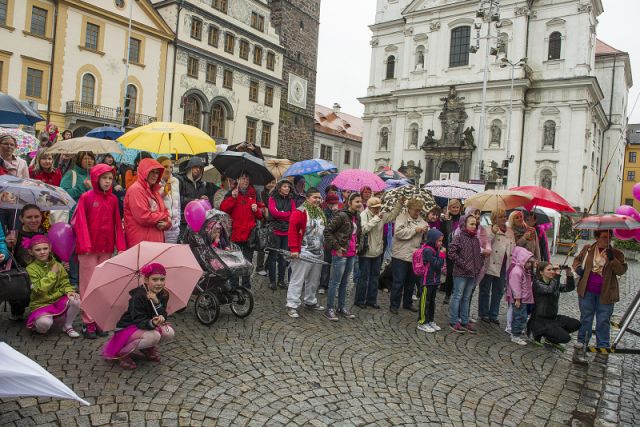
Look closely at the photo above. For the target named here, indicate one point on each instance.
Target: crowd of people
(332, 238)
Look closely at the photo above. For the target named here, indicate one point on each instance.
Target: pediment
(556, 22)
(550, 111)
(384, 120)
(420, 37)
(413, 115)
(391, 48)
(420, 5)
(497, 110)
(506, 22)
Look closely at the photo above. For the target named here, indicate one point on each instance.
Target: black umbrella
(234, 163)
(541, 217)
(13, 111)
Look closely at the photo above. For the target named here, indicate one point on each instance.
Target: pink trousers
(87, 263)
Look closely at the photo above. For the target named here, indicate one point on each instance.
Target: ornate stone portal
(455, 148)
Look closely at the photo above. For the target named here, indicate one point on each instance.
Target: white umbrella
(21, 376)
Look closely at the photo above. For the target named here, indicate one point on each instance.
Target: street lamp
(506, 63)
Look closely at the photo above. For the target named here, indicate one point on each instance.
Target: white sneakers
(434, 326)
(518, 340)
(292, 312)
(429, 327)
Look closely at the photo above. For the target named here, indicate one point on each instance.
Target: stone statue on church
(550, 134)
(429, 140)
(496, 135)
(467, 137)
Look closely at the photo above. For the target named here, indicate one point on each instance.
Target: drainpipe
(609, 123)
(524, 95)
(175, 56)
(53, 56)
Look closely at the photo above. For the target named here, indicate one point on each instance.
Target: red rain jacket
(244, 219)
(52, 178)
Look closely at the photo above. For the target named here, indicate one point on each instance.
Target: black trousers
(556, 330)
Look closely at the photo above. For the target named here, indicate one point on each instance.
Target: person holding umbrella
(170, 192)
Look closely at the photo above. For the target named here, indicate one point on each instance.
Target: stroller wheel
(207, 308)
(241, 302)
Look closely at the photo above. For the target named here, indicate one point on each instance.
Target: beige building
(69, 57)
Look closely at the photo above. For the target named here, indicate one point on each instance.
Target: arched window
(420, 58)
(192, 111)
(546, 179)
(132, 93)
(217, 121)
(391, 67)
(459, 48)
(549, 140)
(496, 133)
(555, 45)
(384, 139)
(88, 89)
(413, 136)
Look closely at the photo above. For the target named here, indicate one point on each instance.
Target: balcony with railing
(106, 115)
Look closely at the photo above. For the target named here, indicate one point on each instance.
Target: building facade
(227, 74)
(425, 95)
(68, 57)
(631, 172)
(337, 137)
(297, 23)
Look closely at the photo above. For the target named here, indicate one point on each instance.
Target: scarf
(599, 261)
(314, 212)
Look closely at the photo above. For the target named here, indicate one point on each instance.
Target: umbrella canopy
(607, 222)
(545, 198)
(277, 167)
(84, 143)
(395, 183)
(13, 111)
(391, 197)
(494, 199)
(168, 137)
(16, 192)
(106, 132)
(326, 182)
(388, 173)
(128, 155)
(25, 142)
(107, 295)
(355, 179)
(541, 216)
(447, 189)
(22, 377)
(211, 174)
(234, 163)
(306, 167)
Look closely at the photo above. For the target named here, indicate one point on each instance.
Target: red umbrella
(545, 198)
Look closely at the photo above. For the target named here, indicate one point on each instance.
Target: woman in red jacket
(244, 208)
(145, 216)
(43, 170)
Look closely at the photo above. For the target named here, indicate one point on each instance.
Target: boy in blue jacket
(433, 256)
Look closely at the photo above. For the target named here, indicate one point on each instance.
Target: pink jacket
(96, 220)
(144, 207)
(519, 281)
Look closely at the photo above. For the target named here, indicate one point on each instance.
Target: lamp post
(506, 63)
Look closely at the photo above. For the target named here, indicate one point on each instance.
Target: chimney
(336, 108)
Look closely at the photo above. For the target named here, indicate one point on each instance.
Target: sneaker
(578, 345)
(580, 358)
(262, 273)
(469, 327)
(72, 333)
(559, 347)
(435, 327)
(346, 314)
(282, 285)
(151, 354)
(127, 363)
(321, 291)
(385, 290)
(331, 315)
(393, 310)
(507, 331)
(89, 331)
(292, 312)
(518, 340)
(425, 327)
(537, 343)
(316, 307)
(414, 297)
(457, 328)
(472, 320)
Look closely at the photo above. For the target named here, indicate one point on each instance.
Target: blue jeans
(459, 302)
(491, 291)
(356, 272)
(589, 307)
(404, 283)
(367, 286)
(340, 269)
(276, 259)
(519, 321)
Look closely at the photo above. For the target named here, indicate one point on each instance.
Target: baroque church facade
(555, 113)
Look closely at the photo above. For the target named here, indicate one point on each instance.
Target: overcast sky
(344, 57)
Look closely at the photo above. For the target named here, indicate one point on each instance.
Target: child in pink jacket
(519, 291)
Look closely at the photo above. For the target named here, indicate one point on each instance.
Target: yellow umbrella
(168, 137)
(492, 199)
(277, 167)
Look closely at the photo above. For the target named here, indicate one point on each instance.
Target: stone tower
(297, 22)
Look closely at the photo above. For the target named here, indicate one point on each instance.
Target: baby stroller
(221, 260)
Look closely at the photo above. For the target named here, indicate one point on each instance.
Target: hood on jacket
(96, 172)
(146, 166)
(432, 237)
(195, 162)
(276, 190)
(520, 256)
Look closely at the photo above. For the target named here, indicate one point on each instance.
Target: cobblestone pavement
(377, 370)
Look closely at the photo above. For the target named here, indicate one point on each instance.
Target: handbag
(261, 237)
(15, 284)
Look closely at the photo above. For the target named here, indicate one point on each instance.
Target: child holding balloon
(52, 296)
(99, 233)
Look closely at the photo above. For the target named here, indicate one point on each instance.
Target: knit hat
(332, 199)
(153, 268)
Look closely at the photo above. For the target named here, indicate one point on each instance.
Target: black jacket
(339, 230)
(193, 190)
(546, 295)
(140, 311)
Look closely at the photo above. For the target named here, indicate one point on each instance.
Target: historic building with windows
(631, 172)
(68, 57)
(225, 76)
(337, 137)
(560, 126)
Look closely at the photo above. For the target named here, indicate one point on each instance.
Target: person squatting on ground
(434, 258)
(144, 325)
(52, 295)
(306, 231)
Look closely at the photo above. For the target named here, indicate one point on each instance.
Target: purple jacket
(519, 283)
(464, 250)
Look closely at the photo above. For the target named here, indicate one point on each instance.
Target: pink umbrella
(107, 295)
(355, 179)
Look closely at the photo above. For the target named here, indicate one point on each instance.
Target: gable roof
(338, 124)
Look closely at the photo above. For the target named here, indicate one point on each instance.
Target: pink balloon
(636, 191)
(195, 215)
(63, 240)
(636, 233)
(205, 204)
(624, 234)
(626, 210)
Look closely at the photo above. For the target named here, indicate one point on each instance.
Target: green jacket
(47, 287)
(76, 176)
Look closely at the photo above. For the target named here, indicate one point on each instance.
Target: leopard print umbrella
(407, 192)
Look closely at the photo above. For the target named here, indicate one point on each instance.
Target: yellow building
(69, 56)
(631, 166)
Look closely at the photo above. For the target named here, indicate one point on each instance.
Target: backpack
(419, 267)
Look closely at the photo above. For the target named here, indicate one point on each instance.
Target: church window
(391, 67)
(555, 45)
(384, 139)
(413, 136)
(459, 49)
(549, 138)
(420, 58)
(546, 179)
